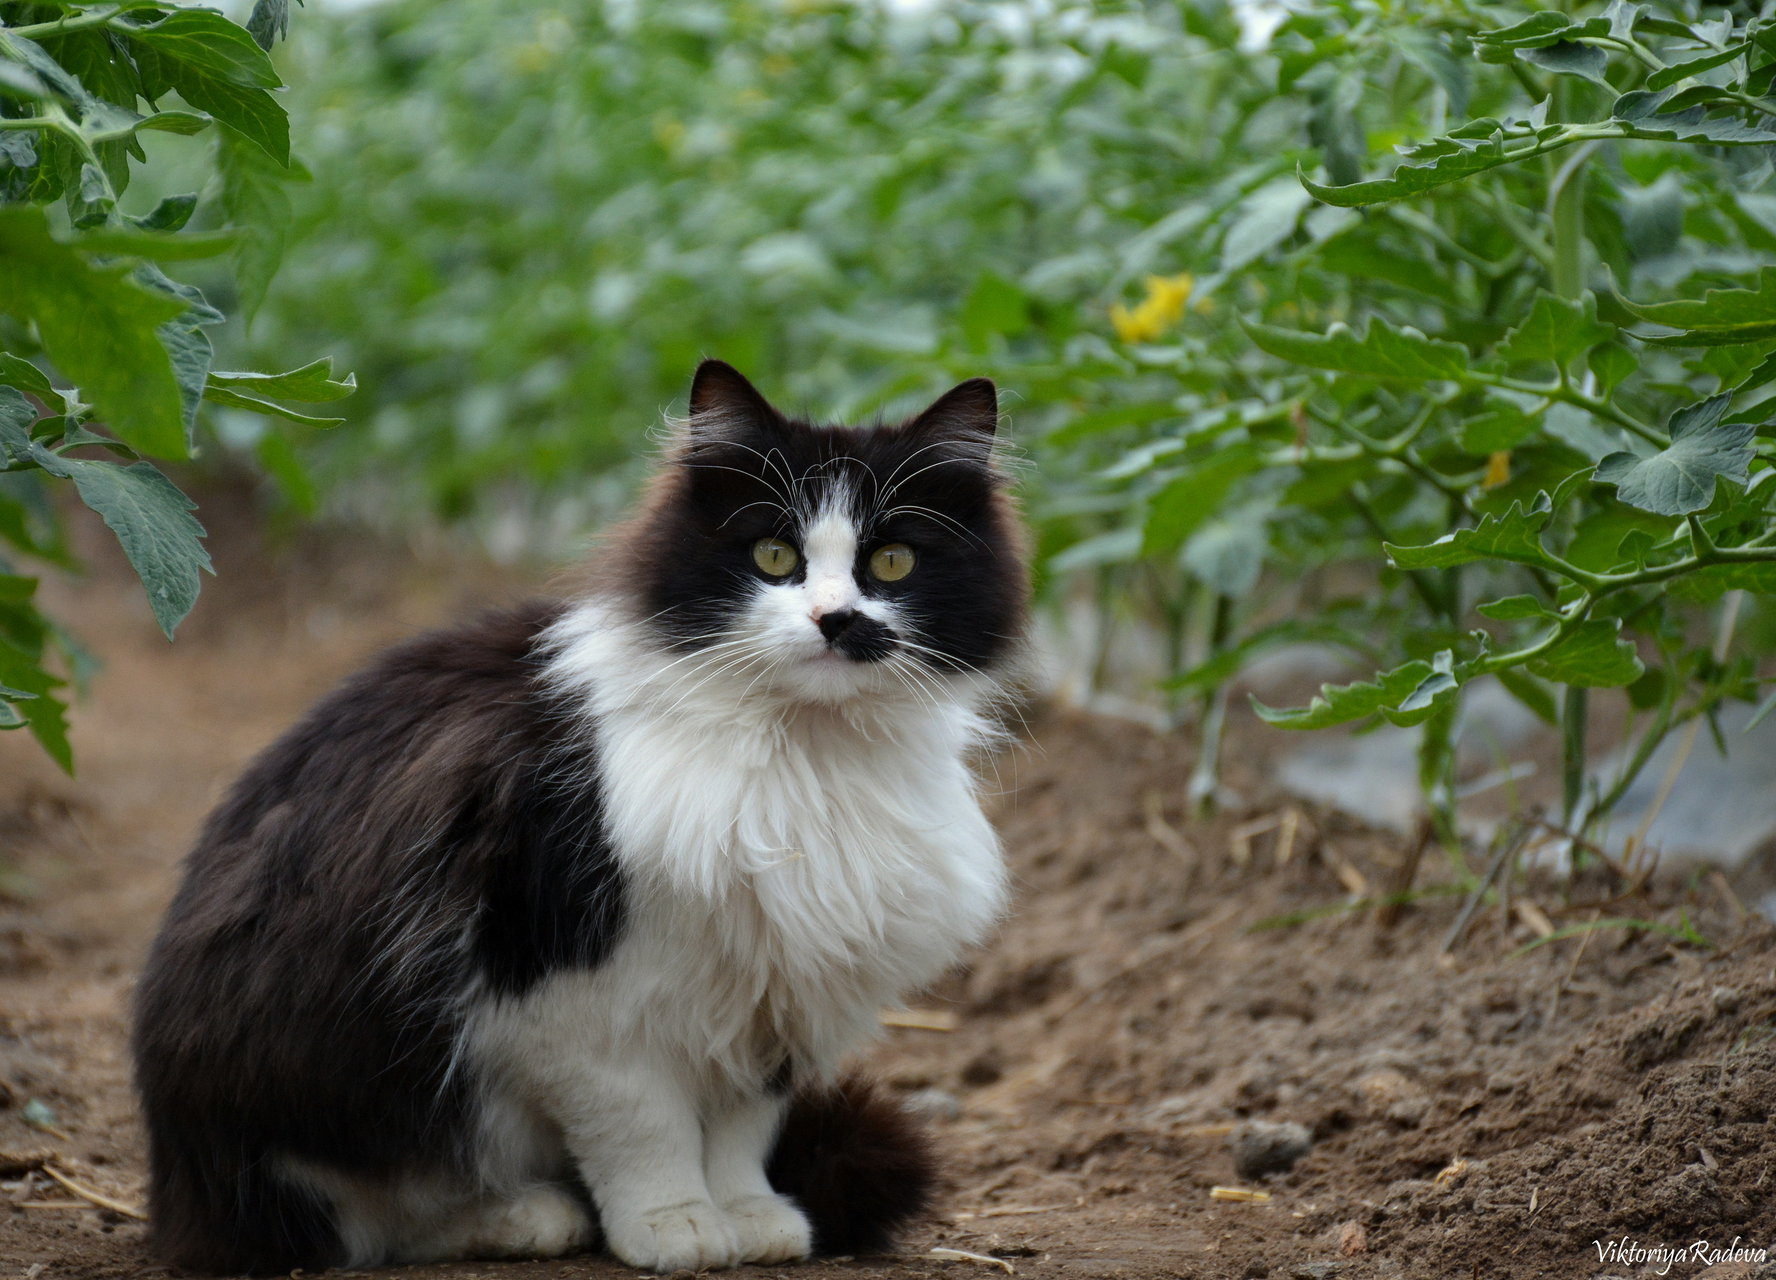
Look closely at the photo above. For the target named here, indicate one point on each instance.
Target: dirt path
(1471, 1114)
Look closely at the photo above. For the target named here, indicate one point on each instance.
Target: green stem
(1574, 713)
(62, 26)
(1566, 211)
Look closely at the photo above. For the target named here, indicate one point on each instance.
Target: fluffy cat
(555, 927)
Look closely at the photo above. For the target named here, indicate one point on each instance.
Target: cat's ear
(967, 414)
(724, 402)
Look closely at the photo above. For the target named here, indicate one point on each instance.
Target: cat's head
(826, 562)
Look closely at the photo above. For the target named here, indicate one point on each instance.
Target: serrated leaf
(1342, 703)
(1379, 350)
(1555, 330)
(98, 325)
(1513, 535)
(1569, 58)
(256, 201)
(153, 521)
(269, 20)
(234, 400)
(1681, 477)
(1665, 77)
(1592, 656)
(1541, 29)
(312, 383)
(1727, 315)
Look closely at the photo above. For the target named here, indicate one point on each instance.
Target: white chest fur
(790, 867)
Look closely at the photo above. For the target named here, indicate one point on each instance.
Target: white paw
(770, 1228)
(543, 1222)
(694, 1236)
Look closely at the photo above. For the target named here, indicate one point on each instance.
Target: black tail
(212, 1214)
(859, 1165)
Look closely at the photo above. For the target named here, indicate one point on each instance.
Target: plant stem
(1574, 714)
(61, 26)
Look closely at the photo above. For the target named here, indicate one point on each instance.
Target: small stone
(1353, 1239)
(1316, 1270)
(939, 1104)
(984, 1069)
(1726, 999)
(1263, 1146)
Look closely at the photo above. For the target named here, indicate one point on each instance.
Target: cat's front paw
(770, 1228)
(693, 1236)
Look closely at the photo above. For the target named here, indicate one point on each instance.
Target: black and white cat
(556, 927)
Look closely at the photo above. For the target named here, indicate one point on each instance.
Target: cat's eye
(891, 563)
(775, 556)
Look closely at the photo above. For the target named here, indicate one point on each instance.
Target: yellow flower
(1498, 470)
(1162, 308)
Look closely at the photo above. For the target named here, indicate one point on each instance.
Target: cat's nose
(835, 622)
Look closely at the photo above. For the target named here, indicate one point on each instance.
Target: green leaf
(1341, 703)
(1445, 160)
(1555, 330)
(995, 307)
(1665, 77)
(1264, 219)
(158, 246)
(180, 122)
(312, 383)
(269, 20)
(169, 215)
(25, 376)
(1513, 535)
(44, 713)
(1542, 29)
(1503, 426)
(253, 114)
(1181, 507)
(235, 400)
(257, 203)
(98, 325)
(1720, 316)
(206, 42)
(1379, 350)
(1681, 477)
(1569, 58)
(153, 521)
(1593, 656)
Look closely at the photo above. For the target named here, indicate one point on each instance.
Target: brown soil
(1476, 1113)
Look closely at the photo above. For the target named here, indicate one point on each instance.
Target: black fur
(432, 831)
(748, 472)
(859, 1165)
(414, 836)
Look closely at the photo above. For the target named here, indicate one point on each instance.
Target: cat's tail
(860, 1166)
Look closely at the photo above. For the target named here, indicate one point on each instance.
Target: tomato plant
(105, 361)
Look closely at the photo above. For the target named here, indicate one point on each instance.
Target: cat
(553, 929)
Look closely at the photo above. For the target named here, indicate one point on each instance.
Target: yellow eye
(775, 557)
(891, 563)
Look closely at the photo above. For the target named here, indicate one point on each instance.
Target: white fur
(802, 846)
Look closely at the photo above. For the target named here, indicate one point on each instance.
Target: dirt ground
(1475, 1112)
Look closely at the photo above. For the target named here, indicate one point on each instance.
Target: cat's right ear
(724, 403)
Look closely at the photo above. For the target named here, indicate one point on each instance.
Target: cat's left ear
(967, 414)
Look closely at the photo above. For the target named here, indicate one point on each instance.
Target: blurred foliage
(1470, 411)
(104, 358)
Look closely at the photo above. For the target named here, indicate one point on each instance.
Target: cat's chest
(810, 843)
